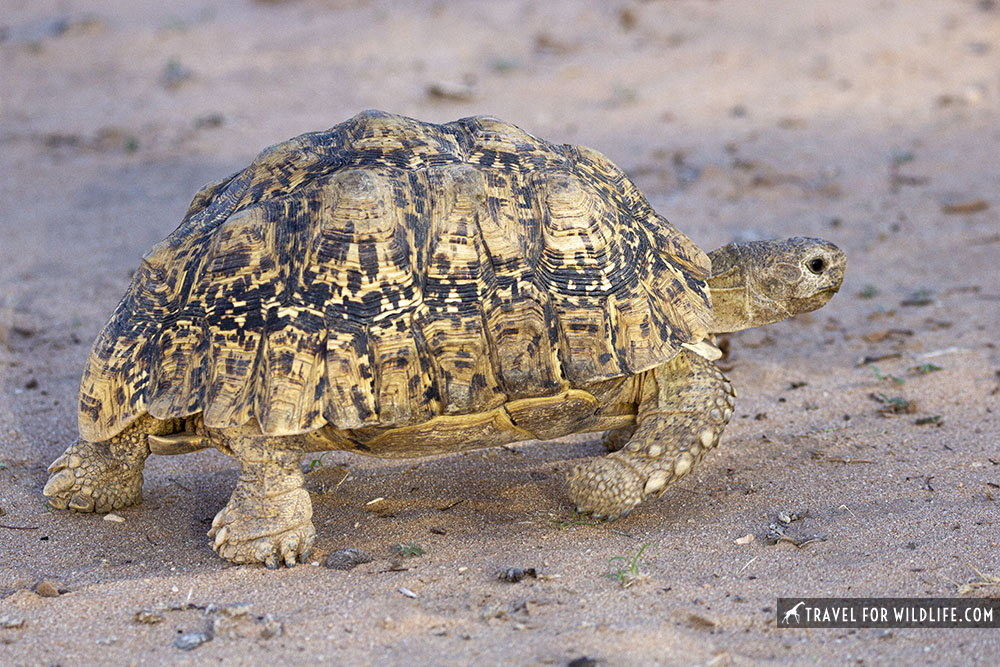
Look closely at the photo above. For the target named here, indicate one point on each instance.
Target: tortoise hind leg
(269, 517)
(100, 476)
(686, 403)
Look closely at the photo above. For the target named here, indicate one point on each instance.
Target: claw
(290, 558)
(221, 536)
(58, 464)
(288, 547)
(263, 551)
(59, 482)
(57, 503)
(219, 519)
(272, 562)
(81, 503)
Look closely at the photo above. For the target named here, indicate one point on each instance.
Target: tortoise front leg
(685, 405)
(269, 517)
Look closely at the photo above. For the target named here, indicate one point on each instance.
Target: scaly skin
(101, 476)
(686, 404)
(269, 517)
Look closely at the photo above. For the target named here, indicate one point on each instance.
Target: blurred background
(872, 123)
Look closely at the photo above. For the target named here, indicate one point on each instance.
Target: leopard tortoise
(397, 289)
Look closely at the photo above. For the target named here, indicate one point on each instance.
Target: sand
(872, 124)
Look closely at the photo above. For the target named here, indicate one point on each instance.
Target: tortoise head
(761, 282)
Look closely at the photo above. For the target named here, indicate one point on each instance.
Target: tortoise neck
(731, 303)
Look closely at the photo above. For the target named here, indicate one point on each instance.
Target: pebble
(11, 622)
(513, 575)
(959, 204)
(236, 610)
(272, 627)
(114, 517)
(191, 640)
(148, 617)
(454, 91)
(407, 592)
(347, 559)
(47, 589)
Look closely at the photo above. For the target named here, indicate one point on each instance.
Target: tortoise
(399, 289)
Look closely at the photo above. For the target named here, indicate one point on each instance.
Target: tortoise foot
(272, 530)
(87, 478)
(605, 488)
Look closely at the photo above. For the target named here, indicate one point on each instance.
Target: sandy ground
(873, 124)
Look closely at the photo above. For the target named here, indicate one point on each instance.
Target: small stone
(107, 641)
(47, 589)
(209, 120)
(746, 539)
(407, 592)
(148, 617)
(960, 204)
(347, 559)
(227, 627)
(236, 610)
(453, 91)
(515, 574)
(702, 622)
(11, 622)
(174, 74)
(191, 640)
(114, 517)
(272, 627)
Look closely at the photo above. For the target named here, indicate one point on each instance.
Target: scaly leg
(685, 405)
(101, 476)
(269, 517)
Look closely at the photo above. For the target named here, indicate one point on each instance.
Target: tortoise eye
(816, 265)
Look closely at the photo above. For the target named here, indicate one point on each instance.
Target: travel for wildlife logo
(888, 613)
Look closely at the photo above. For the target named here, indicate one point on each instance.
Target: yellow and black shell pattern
(387, 271)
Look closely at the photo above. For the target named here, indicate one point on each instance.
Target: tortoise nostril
(817, 265)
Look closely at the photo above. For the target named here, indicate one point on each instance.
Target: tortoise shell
(388, 271)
